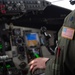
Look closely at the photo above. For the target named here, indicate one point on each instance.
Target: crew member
(63, 63)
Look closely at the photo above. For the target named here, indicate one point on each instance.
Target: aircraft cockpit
(26, 33)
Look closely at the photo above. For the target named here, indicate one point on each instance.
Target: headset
(72, 2)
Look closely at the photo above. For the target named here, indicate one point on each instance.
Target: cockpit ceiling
(52, 17)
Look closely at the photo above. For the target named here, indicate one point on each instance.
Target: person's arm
(50, 66)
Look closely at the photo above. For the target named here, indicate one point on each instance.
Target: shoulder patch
(67, 33)
(71, 19)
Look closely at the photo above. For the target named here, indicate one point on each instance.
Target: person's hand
(38, 63)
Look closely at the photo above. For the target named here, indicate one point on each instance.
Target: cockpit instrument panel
(18, 46)
(13, 7)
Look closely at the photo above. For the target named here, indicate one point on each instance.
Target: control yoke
(47, 37)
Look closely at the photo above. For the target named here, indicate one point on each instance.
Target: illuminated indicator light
(37, 56)
(1, 46)
(8, 66)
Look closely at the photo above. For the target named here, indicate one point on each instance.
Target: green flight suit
(65, 63)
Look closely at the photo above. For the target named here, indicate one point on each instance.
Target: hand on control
(38, 63)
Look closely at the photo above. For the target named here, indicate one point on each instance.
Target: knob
(21, 49)
(23, 65)
(9, 72)
(18, 5)
(9, 8)
(21, 57)
(19, 40)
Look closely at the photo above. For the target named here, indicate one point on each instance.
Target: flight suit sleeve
(50, 66)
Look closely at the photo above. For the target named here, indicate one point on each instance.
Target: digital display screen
(32, 39)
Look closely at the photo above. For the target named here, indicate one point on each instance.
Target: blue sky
(63, 3)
